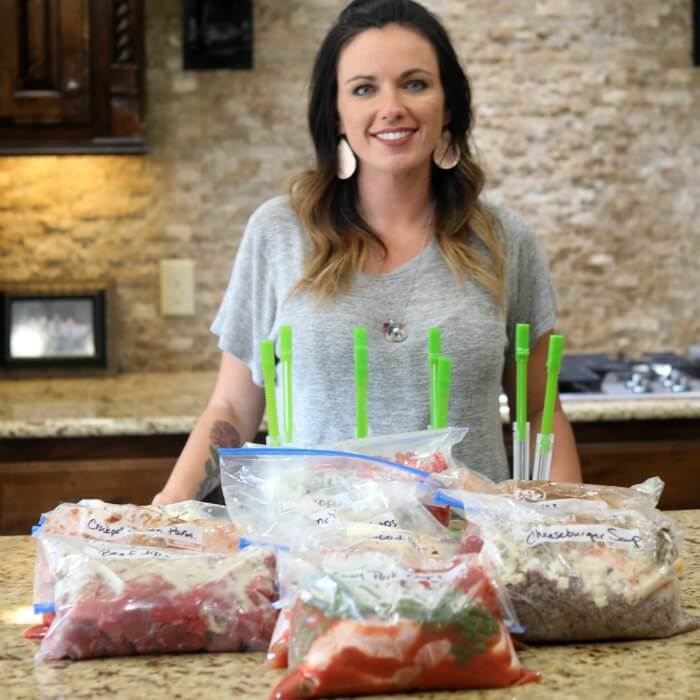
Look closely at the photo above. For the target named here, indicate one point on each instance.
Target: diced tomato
(39, 631)
(470, 648)
(441, 514)
(277, 654)
(410, 459)
(149, 615)
(438, 464)
(363, 660)
(471, 542)
(435, 463)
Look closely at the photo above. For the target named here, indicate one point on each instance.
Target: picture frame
(57, 328)
(217, 34)
(696, 32)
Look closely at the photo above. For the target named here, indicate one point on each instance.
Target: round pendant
(394, 331)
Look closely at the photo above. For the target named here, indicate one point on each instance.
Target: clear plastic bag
(186, 525)
(189, 525)
(278, 650)
(428, 450)
(265, 487)
(398, 524)
(370, 621)
(118, 600)
(566, 496)
(577, 573)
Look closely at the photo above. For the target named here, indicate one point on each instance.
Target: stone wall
(586, 123)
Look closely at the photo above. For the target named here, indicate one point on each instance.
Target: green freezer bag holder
(434, 342)
(545, 438)
(286, 362)
(443, 398)
(521, 428)
(267, 352)
(361, 380)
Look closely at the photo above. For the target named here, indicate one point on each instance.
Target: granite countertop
(122, 404)
(662, 669)
(168, 403)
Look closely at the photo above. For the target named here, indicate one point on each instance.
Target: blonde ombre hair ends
(469, 237)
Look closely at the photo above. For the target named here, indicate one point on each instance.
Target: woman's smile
(391, 103)
(395, 137)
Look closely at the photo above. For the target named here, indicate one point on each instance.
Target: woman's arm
(565, 462)
(231, 418)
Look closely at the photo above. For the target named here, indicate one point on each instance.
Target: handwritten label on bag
(130, 553)
(532, 495)
(398, 575)
(593, 534)
(321, 480)
(323, 517)
(396, 536)
(181, 534)
(325, 502)
(100, 527)
(385, 520)
(571, 504)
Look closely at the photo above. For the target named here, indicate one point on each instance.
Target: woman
(387, 232)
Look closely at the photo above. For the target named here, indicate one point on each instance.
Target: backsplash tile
(586, 122)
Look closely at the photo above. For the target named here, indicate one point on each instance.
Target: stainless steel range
(653, 375)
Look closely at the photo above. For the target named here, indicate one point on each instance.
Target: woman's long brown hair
(469, 236)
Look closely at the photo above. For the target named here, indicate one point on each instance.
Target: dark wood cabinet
(38, 473)
(71, 76)
(626, 452)
(46, 63)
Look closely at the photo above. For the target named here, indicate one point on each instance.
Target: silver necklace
(395, 330)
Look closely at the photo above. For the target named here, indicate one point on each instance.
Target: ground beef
(552, 614)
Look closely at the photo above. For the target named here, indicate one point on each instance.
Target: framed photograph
(696, 32)
(55, 327)
(217, 34)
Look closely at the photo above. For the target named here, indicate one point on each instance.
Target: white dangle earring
(347, 162)
(446, 154)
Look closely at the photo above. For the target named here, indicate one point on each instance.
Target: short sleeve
(247, 313)
(530, 296)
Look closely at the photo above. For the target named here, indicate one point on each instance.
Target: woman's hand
(167, 496)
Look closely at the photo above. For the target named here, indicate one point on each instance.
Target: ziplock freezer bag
(367, 622)
(600, 573)
(428, 541)
(189, 525)
(184, 525)
(116, 600)
(265, 487)
(428, 450)
(549, 494)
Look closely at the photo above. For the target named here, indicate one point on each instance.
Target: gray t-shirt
(421, 293)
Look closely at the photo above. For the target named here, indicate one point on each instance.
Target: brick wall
(587, 123)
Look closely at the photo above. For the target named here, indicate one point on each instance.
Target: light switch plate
(177, 287)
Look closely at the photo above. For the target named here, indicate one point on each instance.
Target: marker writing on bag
(616, 536)
(584, 533)
(388, 523)
(97, 526)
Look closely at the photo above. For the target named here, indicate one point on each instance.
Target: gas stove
(652, 375)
